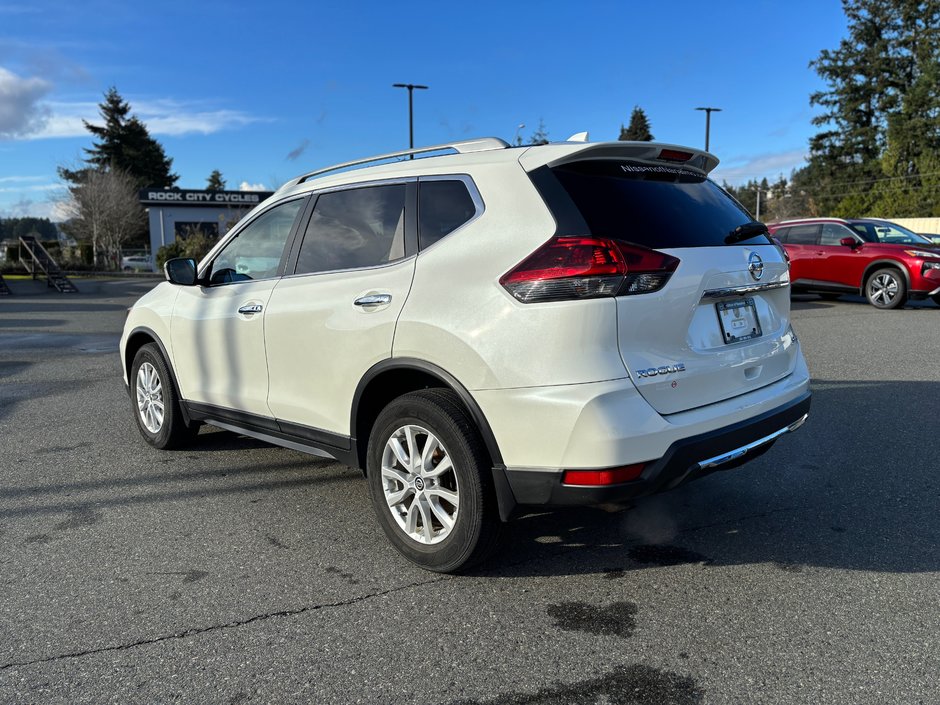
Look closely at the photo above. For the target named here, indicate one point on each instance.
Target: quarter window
(361, 227)
(256, 252)
(443, 206)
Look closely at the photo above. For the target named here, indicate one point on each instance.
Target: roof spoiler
(649, 152)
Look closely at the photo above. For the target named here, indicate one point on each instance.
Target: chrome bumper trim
(744, 450)
(743, 290)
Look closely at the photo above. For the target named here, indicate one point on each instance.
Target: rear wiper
(748, 230)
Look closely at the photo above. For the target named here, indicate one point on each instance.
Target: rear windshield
(651, 205)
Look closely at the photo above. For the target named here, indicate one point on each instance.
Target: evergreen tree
(124, 144)
(881, 110)
(639, 128)
(215, 182)
(540, 136)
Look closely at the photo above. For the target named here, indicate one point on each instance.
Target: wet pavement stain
(275, 542)
(627, 685)
(665, 555)
(38, 538)
(79, 518)
(348, 577)
(617, 619)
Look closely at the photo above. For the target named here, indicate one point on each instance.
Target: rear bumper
(685, 460)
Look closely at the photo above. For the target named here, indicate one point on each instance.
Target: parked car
(136, 263)
(564, 324)
(883, 261)
(933, 237)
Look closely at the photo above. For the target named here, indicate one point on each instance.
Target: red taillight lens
(610, 476)
(567, 268)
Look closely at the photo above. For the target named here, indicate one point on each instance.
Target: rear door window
(803, 235)
(361, 227)
(652, 205)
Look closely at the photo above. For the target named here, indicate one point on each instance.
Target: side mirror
(180, 271)
(849, 242)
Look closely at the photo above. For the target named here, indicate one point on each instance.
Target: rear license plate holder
(738, 320)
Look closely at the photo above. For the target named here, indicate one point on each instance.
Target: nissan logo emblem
(755, 265)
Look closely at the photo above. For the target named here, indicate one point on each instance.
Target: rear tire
(155, 402)
(431, 482)
(886, 288)
(936, 299)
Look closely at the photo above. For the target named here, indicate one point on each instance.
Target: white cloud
(162, 117)
(21, 110)
(741, 169)
(245, 186)
(32, 188)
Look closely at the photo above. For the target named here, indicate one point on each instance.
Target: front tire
(156, 404)
(431, 482)
(886, 288)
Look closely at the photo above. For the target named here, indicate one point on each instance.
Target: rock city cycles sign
(182, 197)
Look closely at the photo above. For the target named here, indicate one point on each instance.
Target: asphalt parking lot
(235, 572)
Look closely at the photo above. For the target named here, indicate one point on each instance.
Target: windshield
(887, 233)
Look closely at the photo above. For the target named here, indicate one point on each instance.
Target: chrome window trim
(382, 265)
(743, 290)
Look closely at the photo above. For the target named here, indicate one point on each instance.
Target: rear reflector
(610, 476)
(567, 268)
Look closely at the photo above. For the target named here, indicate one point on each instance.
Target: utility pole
(411, 124)
(708, 122)
(757, 214)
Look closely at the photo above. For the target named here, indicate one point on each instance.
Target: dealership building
(175, 213)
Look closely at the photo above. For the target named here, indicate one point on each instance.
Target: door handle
(373, 300)
(251, 308)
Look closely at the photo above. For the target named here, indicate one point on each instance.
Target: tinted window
(361, 227)
(443, 206)
(782, 234)
(832, 233)
(883, 231)
(655, 206)
(255, 253)
(803, 235)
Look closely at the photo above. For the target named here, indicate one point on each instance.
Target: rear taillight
(568, 268)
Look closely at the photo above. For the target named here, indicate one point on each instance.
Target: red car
(883, 261)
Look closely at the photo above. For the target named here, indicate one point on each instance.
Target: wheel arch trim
(882, 264)
(128, 362)
(448, 380)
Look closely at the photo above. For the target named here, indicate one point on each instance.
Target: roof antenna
(578, 137)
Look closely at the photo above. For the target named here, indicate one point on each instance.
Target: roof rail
(481, 144)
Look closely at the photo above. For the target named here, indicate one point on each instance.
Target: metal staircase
(43, 260)
(4, 289)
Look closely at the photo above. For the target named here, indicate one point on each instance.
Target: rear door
(720, 326)
(333, 317)
(802, 245)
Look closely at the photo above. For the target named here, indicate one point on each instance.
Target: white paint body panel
(320, 344)
(219, 354)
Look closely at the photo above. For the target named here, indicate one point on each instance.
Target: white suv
(572, 323)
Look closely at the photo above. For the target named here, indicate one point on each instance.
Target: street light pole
(411, 125)
(708, 122)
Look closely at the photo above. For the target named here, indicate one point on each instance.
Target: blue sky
(263, 91)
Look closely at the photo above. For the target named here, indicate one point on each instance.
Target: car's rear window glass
(361, 227)
(657, 206)
(443, 206)
(803, 235)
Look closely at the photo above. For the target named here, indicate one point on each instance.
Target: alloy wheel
(150, 403)
(420, 484)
